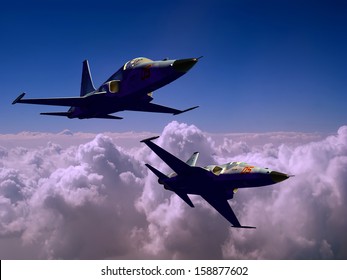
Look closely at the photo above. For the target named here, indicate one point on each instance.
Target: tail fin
(192, 160)
(86, 82)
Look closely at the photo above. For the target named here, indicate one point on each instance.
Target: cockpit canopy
(134, 62)
(118, 76)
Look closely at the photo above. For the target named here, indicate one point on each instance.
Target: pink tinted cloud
(97, 200)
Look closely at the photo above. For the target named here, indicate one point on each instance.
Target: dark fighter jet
(215, 183)
(130, 88)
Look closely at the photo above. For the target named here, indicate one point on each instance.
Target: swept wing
(219, 203)
(175, 163)
(64, 101)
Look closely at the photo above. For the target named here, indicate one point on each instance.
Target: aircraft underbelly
(191, 184)
(104, 104)
(101, 106)
(250, 180)
(225, 183)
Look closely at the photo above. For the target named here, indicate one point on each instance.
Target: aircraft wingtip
(18, 98)
(149, 139)
(186, 110)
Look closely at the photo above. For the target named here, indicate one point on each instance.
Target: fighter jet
(130, 88)
(215, 183)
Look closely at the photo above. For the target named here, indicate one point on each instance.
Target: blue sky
(267, 66)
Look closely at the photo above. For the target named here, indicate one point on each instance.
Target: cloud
(91, 197)
(304, 213)
(67, 138)
(78, 207)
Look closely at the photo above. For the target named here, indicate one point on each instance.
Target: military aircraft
(130, 88)
(215, 183)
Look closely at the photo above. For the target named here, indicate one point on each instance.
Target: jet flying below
(215, 183)
(128, 89)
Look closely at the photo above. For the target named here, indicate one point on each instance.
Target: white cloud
(80, 196)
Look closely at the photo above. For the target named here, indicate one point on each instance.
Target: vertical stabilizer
(86, 82)
(192, 160)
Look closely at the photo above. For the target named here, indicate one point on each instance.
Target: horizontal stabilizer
(156, 172)
(162, 176)
(242, 227)
(60, 114)
(110, 117)
(186, 110)
(155, 108)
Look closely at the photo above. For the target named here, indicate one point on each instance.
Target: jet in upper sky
(215, 183)
(130, 88)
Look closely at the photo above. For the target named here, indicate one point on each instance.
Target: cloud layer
(97, 200)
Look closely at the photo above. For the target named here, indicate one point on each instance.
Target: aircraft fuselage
(135, 81)
(130, 88)
(226, 178)
(214, 183)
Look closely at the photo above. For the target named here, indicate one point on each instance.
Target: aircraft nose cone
(184, 65)
(278, 176)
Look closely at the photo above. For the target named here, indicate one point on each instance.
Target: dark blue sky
(267, 66)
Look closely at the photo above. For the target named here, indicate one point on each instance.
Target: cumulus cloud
(79, 196)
